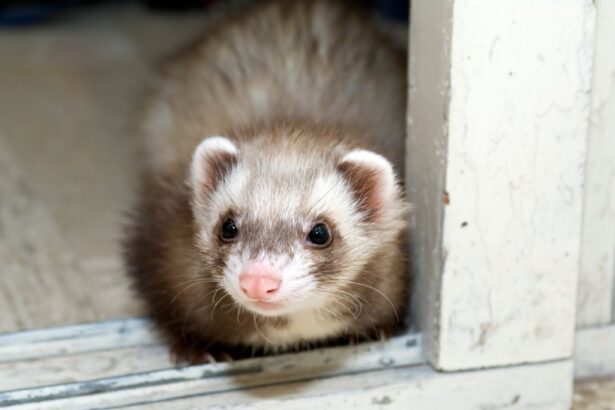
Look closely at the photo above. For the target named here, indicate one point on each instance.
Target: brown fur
(325, 82)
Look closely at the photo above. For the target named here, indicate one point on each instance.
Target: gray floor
(68, 98)
(68, 93)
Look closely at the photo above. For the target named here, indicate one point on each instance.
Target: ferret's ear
(213, 159)
(371, 178)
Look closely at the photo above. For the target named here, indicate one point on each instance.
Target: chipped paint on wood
(498, 265)
(596, 296)
(396, 388)
(59, 341)
(84, 345)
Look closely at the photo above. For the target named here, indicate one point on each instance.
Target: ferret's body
(226, 243)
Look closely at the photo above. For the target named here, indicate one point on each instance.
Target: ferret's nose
(259, 284)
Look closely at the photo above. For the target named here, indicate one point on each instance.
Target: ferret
(271, 216)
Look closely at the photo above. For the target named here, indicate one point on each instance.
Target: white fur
(310, 325)
(378, 163)
(271, 187)
(329, 195)
(200, 172)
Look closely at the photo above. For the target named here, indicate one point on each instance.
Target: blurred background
(71, 77)
(27, 12)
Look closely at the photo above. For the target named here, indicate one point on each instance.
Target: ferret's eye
(319, 235)
(229, 231)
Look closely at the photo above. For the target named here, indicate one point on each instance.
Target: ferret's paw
(182, 354)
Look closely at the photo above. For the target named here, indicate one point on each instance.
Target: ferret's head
(284, 225)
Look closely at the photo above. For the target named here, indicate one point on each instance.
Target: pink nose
(259, 284)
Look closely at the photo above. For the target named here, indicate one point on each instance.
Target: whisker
(189, 285)
(335, 316)
(355, 298)
(259, 331)
(375, 290)
(216, 305)
(195, 280)
(239, 309)
(355, 313)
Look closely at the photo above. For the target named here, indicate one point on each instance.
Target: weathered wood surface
(417, 387)
(123, 361)
(594, 354)
(394, 388)
(79, 367)
(426, 146)
(596, 297)
(515, 119)
(67, 340)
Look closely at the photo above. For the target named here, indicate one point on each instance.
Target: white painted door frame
(498, 119)
(595, 340)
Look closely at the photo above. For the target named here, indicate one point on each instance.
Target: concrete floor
(598, 394)
(67, 163)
